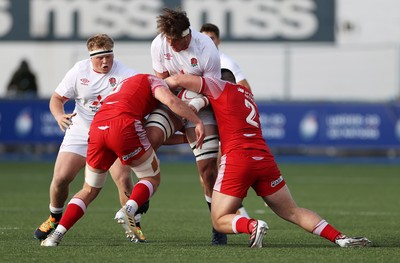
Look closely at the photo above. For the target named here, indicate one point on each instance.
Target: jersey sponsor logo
(96, 104)
(194, 62)
(168, 56)
(130, 155)
(98, 101)
(85, 81)
(277, 181)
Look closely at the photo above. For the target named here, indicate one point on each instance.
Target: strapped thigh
(150, 167)
(209, 150)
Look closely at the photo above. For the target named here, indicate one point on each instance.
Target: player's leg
(282, 203)
(76, 208)
(147, 170)
(241, 211)
(235, 176)
(160, 126)
(206, 160)
(226, 220)
(67, 166)
(122, 176)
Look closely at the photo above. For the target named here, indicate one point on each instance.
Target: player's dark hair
(172, 23)
(208, 27)
(227, 75)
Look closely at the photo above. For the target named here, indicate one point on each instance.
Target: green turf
(357, 199)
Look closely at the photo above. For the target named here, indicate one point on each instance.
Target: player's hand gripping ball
(196, 100)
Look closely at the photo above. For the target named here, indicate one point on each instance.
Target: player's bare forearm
(56, 106)
(190, 82)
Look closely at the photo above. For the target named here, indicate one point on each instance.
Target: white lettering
(353, 126)
(273, 125)
(257, 19)
(6, 20)
(119, 18)
(63, 17)
(299, 21)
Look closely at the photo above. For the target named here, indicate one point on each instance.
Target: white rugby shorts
(75, 139)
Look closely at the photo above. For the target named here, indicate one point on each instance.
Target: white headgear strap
(185, 32)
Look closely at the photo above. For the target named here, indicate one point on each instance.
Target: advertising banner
(347, 125)
(23, 121)
(128, 20)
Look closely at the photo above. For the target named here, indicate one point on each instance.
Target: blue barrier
(326, 124)
(284, 124)
(29, 121)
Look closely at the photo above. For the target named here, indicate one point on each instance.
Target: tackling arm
(165, 96)
(189, 82)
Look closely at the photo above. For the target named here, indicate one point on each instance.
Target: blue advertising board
(29, 121)
(284, 124)
(349, 125)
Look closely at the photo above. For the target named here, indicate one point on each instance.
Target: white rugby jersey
(201, 58)
(89, 88)
(228, 63)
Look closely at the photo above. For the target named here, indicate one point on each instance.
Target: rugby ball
(194, 99)
(188, 95)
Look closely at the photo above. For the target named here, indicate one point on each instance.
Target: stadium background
(326, 73)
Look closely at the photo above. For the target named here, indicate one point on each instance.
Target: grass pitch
(359, 200)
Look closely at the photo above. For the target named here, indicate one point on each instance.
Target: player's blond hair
(100, 41)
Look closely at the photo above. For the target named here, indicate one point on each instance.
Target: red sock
(141, 192)
(75, 210)
(325, 230)
(244, 225)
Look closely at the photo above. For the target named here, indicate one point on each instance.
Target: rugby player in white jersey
(227, 62)
(88, 83)
(179, 49)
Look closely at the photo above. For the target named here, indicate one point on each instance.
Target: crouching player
(247, 162)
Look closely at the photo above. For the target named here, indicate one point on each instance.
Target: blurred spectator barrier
(287, 126)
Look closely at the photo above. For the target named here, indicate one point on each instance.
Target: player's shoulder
(201, 39)
(85, 63)
(158, 40)
(80, 67)
(121, 68)
(228, 62)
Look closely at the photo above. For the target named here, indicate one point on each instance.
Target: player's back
(133, 97)
(237, 115)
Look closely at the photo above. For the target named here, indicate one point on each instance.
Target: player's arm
(157, 60)
(56, 106)
(245, 83)
(162, 75)
(165, 96)
(189, 82)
